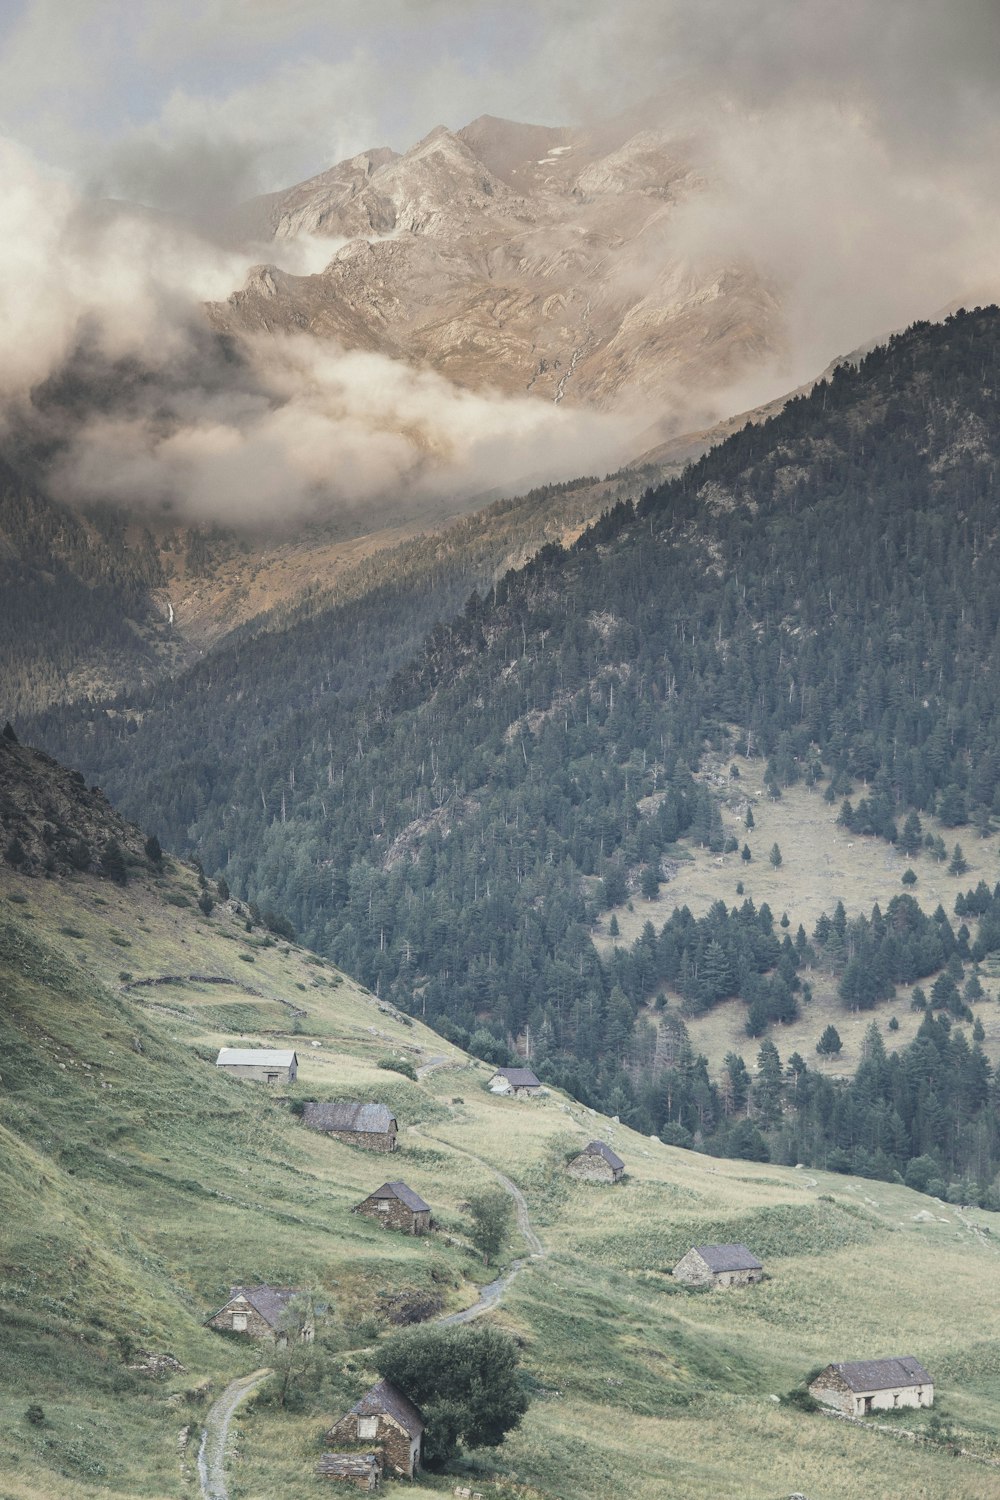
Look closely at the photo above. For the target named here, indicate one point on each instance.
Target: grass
(136, 1184)
(821, 865)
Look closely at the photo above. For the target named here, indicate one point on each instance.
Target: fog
(850, 158)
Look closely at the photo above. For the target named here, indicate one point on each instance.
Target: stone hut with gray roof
(516, 1081)
(385, 1417)
(261, 1312)
(371, 1126)
(396, 1206)
(874, 1385)
(596, 1163)
(259, 1064)
(718, 1265)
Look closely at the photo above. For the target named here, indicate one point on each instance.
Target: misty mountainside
(76, 607)
(527, 259)
(817, 597)
(138, 1185)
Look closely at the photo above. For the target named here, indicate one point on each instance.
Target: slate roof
(269, 1301)
(404, 1194)
(883, 1374)
(385, 1398)
(518, 1078)
(601, 1148)
(348, 1114)
(728, 1258)
(255, 1057)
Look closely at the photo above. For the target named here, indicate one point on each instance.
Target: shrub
(398, 1065)
(801, 1398)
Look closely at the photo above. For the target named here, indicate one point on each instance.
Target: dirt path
(430, 1065)
(212, 1453)
(491, 1294)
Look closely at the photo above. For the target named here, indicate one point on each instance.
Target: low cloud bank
(105, 355)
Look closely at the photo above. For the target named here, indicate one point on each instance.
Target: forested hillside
(822, 592)
(74, 598)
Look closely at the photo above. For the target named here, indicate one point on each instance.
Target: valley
(137, 1184)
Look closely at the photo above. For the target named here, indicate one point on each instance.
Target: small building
(261, 1312)
(874, 1385)
(396, 1206)
(384, 1416)
(718, 1265)
(514, 1081)
(371, 1126)
(596, 1163)
(260, 1064)
(362, 1471)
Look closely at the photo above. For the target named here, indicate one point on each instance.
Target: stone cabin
(384, 1416)
(362, 1471)
(259, 1312)
(718, 1265)
(874, 1385)
(596, 1163)
(371, 1126)
(260, 1064)
(516, 1081)
(396, 1206)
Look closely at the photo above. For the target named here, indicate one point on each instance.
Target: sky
(855, 151)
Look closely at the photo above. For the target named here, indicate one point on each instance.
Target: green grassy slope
(136, 1184)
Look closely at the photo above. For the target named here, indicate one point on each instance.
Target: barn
(384, 1416)
(514, 1081)
(718, 1265)
(371, 1126)
(260, 1064)
(874, 1385)
(396, 1206)
(261, 1312)
(596, 1163)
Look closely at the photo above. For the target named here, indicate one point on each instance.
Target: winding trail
(215, 1433)
(212, 1453)
(491, 1294)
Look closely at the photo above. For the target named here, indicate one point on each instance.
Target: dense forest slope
(137, 1185)
(821, 592)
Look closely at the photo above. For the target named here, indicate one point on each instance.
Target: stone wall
(402, 1453)
(589, 1166)
(256, 1074)
(360, 1471)
(368, 1140)
(392, 1214)
(832, 1390)
(693, 1271)
(255, 1327)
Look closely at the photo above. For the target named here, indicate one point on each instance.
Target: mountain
(525, 259)
(795, 604)
(137, 1186)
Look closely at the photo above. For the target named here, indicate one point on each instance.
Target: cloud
(323, 428)
(105, 354)
(850, 153)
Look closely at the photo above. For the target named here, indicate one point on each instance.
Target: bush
(801, 1398)
(398, 1065)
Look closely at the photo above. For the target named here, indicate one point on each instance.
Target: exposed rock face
(524, 258)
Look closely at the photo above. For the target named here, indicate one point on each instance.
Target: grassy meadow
(821, 865)
(136, 1185)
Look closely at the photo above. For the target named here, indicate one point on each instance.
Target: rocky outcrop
(523, 258)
